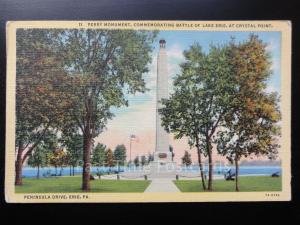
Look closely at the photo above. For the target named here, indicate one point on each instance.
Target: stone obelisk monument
(162, 154)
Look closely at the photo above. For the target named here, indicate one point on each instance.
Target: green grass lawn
(255, 183)
(73, 184)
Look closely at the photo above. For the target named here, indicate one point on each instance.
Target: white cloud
(270, 88)
(176, 52)
(275, 64)
(271, 47)
(136, 119)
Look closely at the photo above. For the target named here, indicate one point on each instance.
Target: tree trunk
(201, 170)
(38, 172)
(200, 163)
(210, 166)
(19, 166)
(73, 171)
(21, 159)
(87, 145)
(237, 188)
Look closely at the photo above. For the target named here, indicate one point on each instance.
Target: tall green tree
(120, 154)
(59, 158)
(251, 127)
(98, 158)
(109, 158)
(37, 67)
(38, 159)
(202, 96)
(74, 146)
(102, 66)
(50, 143)
(186, 159)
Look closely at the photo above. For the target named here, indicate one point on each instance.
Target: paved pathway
(162, 185)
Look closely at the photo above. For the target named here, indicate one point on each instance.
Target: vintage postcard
(148, 111)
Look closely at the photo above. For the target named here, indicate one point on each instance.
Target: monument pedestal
(162, 164)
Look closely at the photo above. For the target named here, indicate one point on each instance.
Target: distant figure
(276, 174)
(229, 176)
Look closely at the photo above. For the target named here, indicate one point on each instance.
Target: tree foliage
(102, 66)
(74, 146)
(120, 154)
(37, 68)
(99, 156)
(59, 158)
(202, 96)
(109, 158)
(38, 158)
(36, 104)
(251, 124)
(186, 159)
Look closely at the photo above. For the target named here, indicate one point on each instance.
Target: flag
(134, 138)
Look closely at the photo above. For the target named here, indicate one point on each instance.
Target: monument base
(162, 167)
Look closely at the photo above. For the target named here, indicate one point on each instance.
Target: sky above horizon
(139, 117)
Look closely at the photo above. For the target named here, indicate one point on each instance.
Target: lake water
(244, 170)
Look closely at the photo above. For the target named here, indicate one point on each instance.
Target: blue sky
(178, 41)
